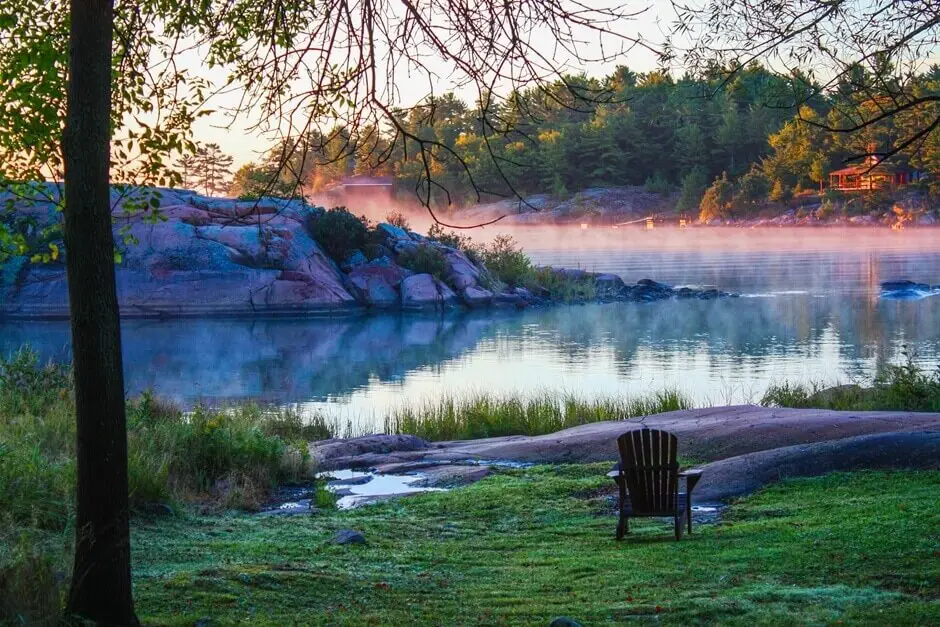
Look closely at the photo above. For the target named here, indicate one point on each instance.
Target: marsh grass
(896, 388)
(172, 455)
(484, 415)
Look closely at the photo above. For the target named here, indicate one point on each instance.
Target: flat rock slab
(743, 474)
(704, 434)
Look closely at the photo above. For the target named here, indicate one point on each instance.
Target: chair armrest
(691, 477)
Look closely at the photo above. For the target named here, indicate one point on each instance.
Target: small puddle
(356, 488)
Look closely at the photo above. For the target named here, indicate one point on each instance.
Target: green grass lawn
(525, 546)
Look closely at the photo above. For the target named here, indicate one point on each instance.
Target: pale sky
(235, 139)
(245, 146)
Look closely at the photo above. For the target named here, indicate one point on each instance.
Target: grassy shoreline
(525, 546)
(203, 466)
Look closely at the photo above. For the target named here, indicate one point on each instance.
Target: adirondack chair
(649, 480)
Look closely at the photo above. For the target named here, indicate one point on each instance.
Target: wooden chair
(649, 480)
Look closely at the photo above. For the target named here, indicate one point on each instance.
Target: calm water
(809, 311)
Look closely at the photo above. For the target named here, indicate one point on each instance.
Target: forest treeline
(756, 136)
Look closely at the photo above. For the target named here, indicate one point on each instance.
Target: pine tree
(212, 169)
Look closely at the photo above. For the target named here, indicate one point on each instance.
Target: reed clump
(482, 415)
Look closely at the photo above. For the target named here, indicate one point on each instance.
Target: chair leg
(679, 526)
(689, 514)
(621, 527)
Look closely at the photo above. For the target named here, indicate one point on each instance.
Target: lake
(809, 311)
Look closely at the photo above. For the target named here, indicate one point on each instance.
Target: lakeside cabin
(872, 174)
(867, 177)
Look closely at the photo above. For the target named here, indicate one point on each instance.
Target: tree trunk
(101, 576)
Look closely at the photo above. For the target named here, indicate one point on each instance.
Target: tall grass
(226, 457)
(218, 458)
(483, 415)
(896, 388)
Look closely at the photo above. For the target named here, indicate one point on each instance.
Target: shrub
(716, 202)
(339, 232)
(397, 218)
(657, 184)
(780, 192)
(463, 243)
(27, 386)
(31, 591)
(826, 210)
(693, 188)
(753, 187)
(171, 455)
(425, 259)
(895, 388)
(561, 287)
(506, 261)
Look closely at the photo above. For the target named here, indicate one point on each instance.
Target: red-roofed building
(871, 174)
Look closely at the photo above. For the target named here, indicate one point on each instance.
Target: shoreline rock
(215, 257)
(907, 290)
(744, 447)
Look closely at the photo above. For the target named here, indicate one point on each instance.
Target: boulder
(353, 260)
(893, 286)
(374, 290)
(475, 296)
(654, 285)
(461, 272)
(420, 291)
(177, 268)
(326, 454)
(609, 286)
(449, 299)
(348, 536)
(403, 246)
(383, 268)
(906, 290)
(571, 273)
(509, 299)
(392, 232)
(647, 290)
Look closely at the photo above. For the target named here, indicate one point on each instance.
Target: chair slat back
(649, 466)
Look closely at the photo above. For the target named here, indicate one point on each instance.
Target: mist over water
(810, 311)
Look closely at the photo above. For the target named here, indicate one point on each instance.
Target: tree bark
(101, 576)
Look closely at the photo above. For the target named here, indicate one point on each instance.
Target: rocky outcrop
(751, 447)
(743, 474)
(907, 290)
(218, 257)
(707, 434)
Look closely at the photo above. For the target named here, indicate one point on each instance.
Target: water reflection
(706, 348)
(822, 323)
